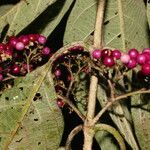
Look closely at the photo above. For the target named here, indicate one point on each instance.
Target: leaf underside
(22, 14)
(29, 115)
(125, 23)
(140, 108)
(148, 13)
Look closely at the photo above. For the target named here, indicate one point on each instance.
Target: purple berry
(141, 59)
(46, 51)
(146, 69)
(32, 37)
(147, 55)
(96, 54)
(132, 63)
(19, 46)
(116, 54)
(42, 39)
(133, 53)
(15, 69)
(106, 52)
(2, 47)
(57, 73)
(60, 103)
(125, 58)
(109, 61)
(24, 39)
(13, 41)
(1, 77)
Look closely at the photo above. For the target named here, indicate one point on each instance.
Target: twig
(112, 92)
(75, 131)
(66, 100)
(121, 97)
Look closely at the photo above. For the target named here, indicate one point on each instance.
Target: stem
(99, 24)
(88, 124)
(66, 100)
(111, 102)
(75, 131)
(92, 98)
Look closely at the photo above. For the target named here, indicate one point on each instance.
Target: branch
(99, 24)
(111, 102)
(66, 100)
(75, 131)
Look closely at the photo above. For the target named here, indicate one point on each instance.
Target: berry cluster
(130, 60)
(68, 70)
(20, 55)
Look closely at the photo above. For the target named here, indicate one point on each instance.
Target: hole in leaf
(39, 143)
(38, 95)
(105, 23)
(21, 88)
(116, 13)
(19, 140)
(7, 98)
(119, 36)
(36, 119)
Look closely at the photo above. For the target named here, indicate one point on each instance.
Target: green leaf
(53, 23)
(81, 21)
(148, 12)
(119, 115)
(29, 116)
(105, 141)
(141, 116)
(22, 14)
(4, 9)
(125, 24)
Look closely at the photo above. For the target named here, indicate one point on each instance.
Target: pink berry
(132, 63)
(109, 61)
(19, 46)
(96, 54)
(116, 54)
(57, 73)
(146, 69)
(42, 39)
(13, 41)
(106, 52)
(24, 39)
(46, 51)
(141, 59)
(1, 77)
(133, 53)
(60, 103)
(125, 58)
(146, 50)
(15, 69)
